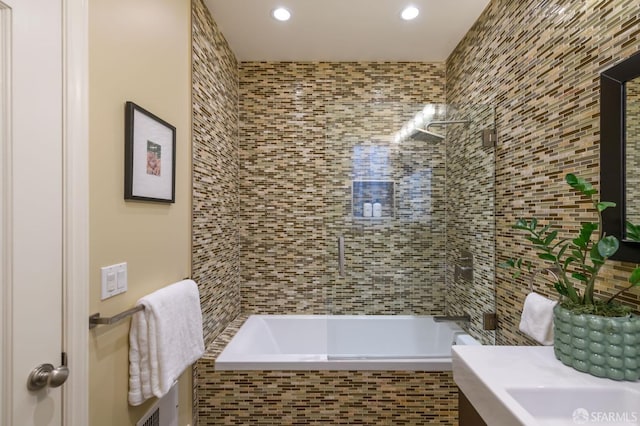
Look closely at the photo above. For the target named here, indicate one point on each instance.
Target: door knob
(46, 375)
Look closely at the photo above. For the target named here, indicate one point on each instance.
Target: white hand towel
(537, 318)
(165, 338)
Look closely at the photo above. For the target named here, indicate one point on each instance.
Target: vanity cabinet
(467, 414)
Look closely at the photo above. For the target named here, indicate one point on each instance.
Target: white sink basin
(556, 406)
(527, 385)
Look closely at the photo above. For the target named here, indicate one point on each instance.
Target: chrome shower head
(426, 136)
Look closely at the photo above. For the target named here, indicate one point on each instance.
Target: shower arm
(445, 122)
(426, 130)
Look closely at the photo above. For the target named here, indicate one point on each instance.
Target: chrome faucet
(443, 318)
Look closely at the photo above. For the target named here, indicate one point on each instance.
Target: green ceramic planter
(601, 346)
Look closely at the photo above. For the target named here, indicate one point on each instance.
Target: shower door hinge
(489, 321)
(489, 138)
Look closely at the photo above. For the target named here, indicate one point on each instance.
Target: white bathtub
(342, 342)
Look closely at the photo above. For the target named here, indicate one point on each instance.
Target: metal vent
(164, 412)
(151, 419)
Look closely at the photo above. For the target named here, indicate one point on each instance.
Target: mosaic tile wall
(633, 151)
(321, 397)
(216, 252)
(538, 63)
(307, 130)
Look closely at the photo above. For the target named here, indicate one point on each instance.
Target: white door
(32, 198)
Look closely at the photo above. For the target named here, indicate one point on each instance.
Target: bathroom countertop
(486, 374)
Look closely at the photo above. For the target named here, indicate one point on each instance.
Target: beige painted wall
(139, 51)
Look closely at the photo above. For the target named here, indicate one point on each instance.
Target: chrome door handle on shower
(341, 255)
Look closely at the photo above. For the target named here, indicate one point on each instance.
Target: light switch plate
(114, 280)
(111, 281)
(121, 278)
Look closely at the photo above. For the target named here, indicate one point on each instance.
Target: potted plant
(598, 336)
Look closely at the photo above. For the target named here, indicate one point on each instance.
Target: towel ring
(553, 271)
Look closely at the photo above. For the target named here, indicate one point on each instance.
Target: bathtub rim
(322, 362)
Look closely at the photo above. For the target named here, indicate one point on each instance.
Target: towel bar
(96, 319)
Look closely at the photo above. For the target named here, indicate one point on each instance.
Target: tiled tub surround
(307, 130)
(216, 251)
(321, 397)
(538, 63)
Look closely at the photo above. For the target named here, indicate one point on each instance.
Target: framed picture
(149, 156)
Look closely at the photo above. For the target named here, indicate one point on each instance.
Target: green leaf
(533, 224)
(635, 276)
(596, 257)
(535, 240)
(510, 263)
(633, 231)
(568, 261)
(521, 224)
(561, 288)
(552, 236)
(580, 242)
(571, 179)
(547, 256)
(579, 276)
(561, 252)
(585, 235)
(577, 254)
(608, 246)
(580, 184)
(603, 205)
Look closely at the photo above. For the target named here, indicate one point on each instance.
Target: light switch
(114, 280)
(111, 281)
(122, 277)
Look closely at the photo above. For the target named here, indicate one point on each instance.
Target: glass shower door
(386, 205)
(385, 217)
(385, 200)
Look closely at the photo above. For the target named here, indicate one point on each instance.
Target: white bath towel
(537, 318)
(165, 338)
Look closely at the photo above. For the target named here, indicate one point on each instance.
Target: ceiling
(344, 30)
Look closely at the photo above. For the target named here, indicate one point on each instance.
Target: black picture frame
(612, 152)
(149, 156)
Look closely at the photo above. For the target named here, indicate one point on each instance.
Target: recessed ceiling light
(281, 14)
(409, 13)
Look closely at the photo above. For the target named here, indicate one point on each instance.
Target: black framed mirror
(620, 151)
